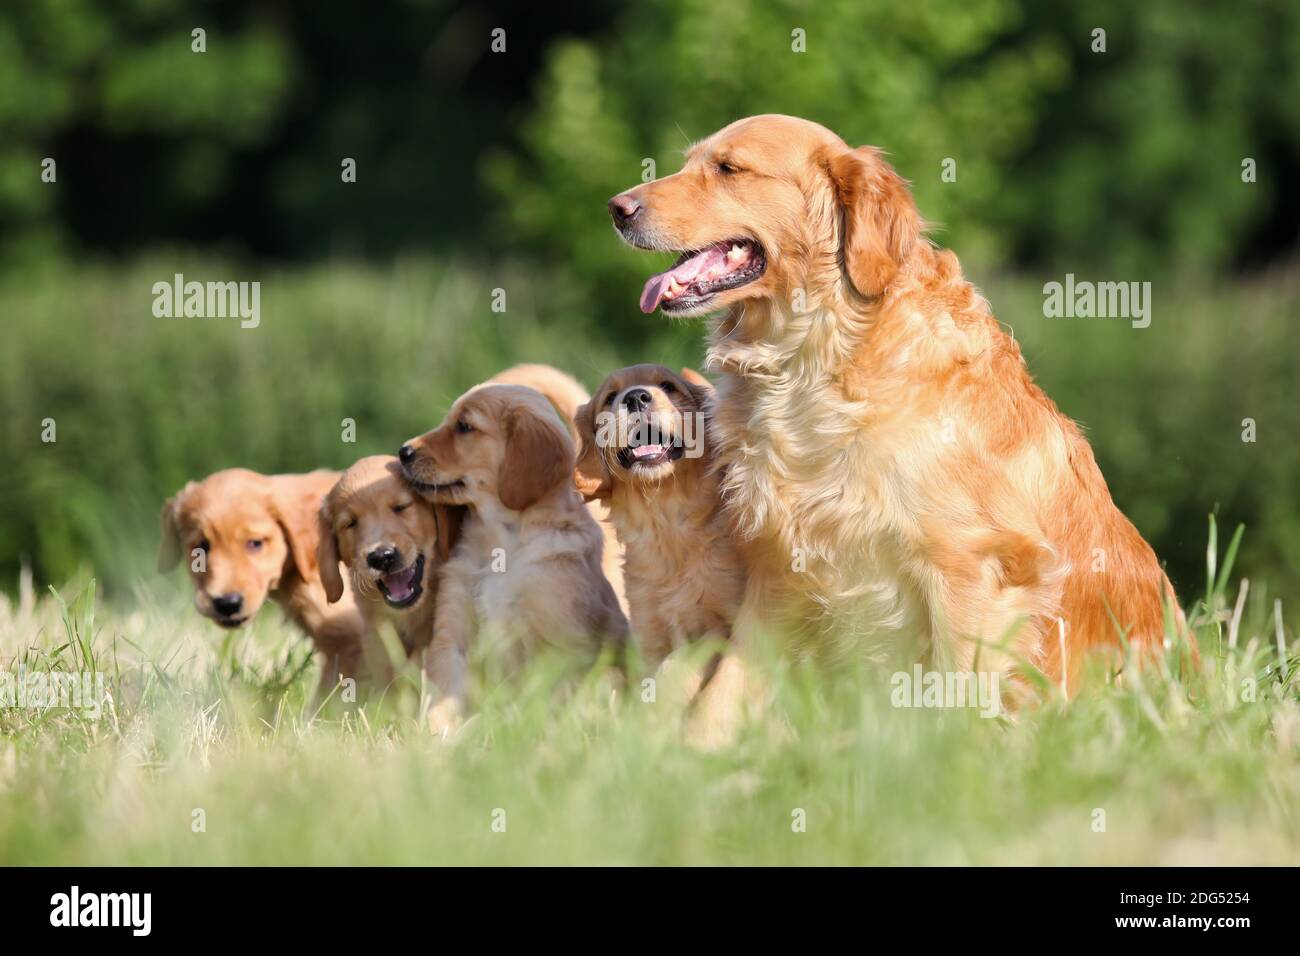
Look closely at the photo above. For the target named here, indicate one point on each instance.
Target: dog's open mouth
(231, 622)
(699, 276)
(641, 453)
(403, 588)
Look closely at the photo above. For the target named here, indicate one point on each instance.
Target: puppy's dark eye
(350, 523)
(255, 544)
(203, 545)
(609, 399)
(398, 509)
(668, 387)
(727, 169)
(463, 427)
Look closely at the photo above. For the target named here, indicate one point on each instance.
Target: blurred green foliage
(142, 404)
(1129, 158)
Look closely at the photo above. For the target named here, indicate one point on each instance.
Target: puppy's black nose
(382, 558)
(624, 209)
(405, 454)
(228, 605)
(637, 400)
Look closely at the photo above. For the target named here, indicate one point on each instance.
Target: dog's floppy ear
(692, 377)
(169, 545)
(448, 518)
(590, 476)
(327, 553)
(701, 388)
(296, 512)
(539, 455)
(881, 224)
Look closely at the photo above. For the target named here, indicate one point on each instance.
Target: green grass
(1185, 769)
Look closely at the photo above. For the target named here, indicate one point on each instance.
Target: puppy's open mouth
(644, 454)
(403, 588)
(231, 622)
(699, 276)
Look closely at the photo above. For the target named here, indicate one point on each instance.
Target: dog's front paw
(445, 718)
(711, 731)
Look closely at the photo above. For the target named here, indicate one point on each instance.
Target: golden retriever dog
(251, 536)
(526, 571)
(392, 543)
(644, 450)
(889, 465)
(567, 396)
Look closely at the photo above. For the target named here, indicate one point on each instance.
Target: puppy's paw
(710, 731)
(445, 718)
(677, 681)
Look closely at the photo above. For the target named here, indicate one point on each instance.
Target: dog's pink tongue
(653, 292)
(684, 274)
(398, 585)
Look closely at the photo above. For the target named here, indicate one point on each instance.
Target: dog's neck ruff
(769, 340)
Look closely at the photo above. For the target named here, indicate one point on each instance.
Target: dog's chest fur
(502, 554)
(807, 470)
(682, 573)
(522, 575)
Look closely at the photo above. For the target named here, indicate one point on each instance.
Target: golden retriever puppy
(251, 536)
(564, 392)
(392, 543)
(644, 451)
(891, 468)
(526, 571)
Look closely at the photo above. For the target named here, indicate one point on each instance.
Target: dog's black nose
(228, 605)
(624, 209)
(382, 558)
(637, 400)
(406, 453)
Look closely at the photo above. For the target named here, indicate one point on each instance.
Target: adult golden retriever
(890, 466)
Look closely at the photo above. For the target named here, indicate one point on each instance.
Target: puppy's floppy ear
(539, 455)
(448, 518)
(881, 224)
(590, 476)
(295, 511)
(701, 388)
(169, 545)
(327, 553)
(692, 377)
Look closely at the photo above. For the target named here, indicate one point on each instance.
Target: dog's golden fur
(371, 508)
(259, 534)
(684, 576)
(526, 571)
(567, 396)
(889, 463)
